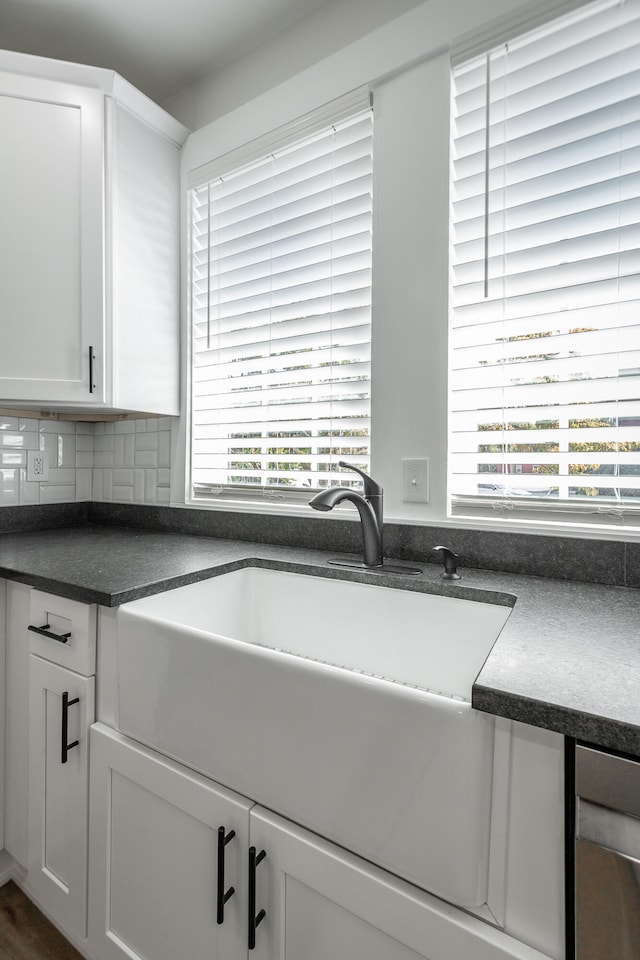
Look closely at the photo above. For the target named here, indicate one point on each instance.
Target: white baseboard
(7, 867)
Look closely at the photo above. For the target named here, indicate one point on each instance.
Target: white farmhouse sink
(344, 706)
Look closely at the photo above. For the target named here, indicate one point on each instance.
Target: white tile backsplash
(12, 458)
(19, 434)
(121, 494)
(67, 450)
(18, 440)
(164, 448)
(31, 426)
(58, 427)
(29, 492)
(126, 461)
(125, 426)
(96, 484)
(131, 461)
(9, 486)
(84, 479)
(84, 459)
(147, 441)
(129, 450)
(84, 441)
(57, 492)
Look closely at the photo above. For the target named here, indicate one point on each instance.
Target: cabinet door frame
(90, 102)
(419, 921)
(58, 793)
(186, 792)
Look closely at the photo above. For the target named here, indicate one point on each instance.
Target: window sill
(275, 507)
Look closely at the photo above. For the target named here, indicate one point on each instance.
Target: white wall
(410, 269)
(406, 65)
(308, 41)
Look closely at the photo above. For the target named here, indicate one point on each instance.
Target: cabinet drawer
(59, 616)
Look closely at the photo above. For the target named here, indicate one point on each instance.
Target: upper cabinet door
(51, 241)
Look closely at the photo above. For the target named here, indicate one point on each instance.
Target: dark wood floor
(25, 934)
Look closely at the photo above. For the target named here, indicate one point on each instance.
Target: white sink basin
(344, 706)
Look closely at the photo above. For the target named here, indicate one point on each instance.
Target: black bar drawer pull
(45, 631)
(254, 920)
(66, 746)
(223, 895)
(92, 358)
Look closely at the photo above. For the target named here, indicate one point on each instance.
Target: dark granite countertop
(568, 658)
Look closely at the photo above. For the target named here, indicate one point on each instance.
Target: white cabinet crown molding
(108, 82)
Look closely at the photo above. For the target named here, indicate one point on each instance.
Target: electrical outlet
(37, 465)
(415, 481)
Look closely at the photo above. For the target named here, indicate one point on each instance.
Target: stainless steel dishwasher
(607, 856)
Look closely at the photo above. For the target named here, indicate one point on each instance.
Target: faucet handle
(371, 488)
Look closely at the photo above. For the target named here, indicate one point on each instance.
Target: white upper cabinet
(51, 185)
(89, 242)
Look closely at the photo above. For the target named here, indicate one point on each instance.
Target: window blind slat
(316, 321)
(340, 302)
(340, 228)
(352, 409)
(346, 138)
(207, 431)
(322, 355)
(267, 232)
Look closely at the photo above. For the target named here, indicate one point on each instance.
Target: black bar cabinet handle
(92, 357)
(254, 920)
(66, 746)
(223, 895)
(45, 631)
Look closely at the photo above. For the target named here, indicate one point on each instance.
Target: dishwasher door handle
(610, 829)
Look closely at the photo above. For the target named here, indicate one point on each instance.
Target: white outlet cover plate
(37, 465)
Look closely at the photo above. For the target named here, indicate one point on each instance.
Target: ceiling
(160, 46)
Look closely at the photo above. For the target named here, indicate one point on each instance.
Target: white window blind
(281, 312)
(545, 336)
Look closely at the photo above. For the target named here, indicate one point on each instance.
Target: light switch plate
(415, 481)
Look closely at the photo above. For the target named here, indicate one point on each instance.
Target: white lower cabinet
(155, 853)
(61, 711)
(50, 694)
(155, 888)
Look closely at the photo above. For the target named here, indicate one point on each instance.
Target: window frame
(242, 497)
(397, 62)
(504, 509)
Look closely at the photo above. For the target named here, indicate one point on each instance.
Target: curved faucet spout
(371, 525)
